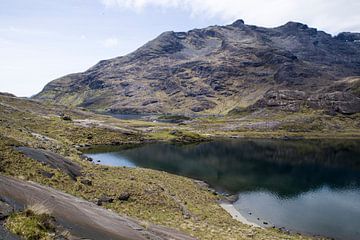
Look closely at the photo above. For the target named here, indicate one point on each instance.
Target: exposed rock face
(53, 160)
(5, 210)
(218, 68)
(341, 97)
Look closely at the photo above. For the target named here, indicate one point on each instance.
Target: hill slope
(220, 68)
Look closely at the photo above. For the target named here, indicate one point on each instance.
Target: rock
(87, 182)
(45, 173)
(348, 36)
(232, 198)
(203, 105)
(292, 100)
(86, 158)
(238, 23)
(66, 118)
(124, 196)
(286, 100)
(337, 101)
(104, 199)
(150, 101)
(201, 184)
(5, 210)
(53, 160)
(173, 132)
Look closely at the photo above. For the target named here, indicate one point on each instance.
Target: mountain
(221, 69)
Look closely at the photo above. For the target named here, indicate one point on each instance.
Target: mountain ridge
(221, 68)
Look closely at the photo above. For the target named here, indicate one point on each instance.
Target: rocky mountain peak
(238, 23)
(218, 68)
(295, 25)
(295, 28)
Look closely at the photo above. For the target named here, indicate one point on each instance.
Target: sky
(41, 40)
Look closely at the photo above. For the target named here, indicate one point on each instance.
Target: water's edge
(235, 214)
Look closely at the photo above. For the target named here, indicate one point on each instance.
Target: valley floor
(57, 133)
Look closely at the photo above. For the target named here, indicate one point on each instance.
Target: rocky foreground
(85, 219)
(222, 69)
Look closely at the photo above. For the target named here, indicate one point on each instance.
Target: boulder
(87, 182)
(46, 173)
(124, 196)
(104, 199)
(66, 118)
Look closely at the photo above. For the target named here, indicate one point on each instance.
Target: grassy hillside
(154, 196)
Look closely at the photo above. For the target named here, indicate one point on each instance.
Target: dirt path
(82, 218)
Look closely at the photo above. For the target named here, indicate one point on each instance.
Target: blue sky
(41, 40)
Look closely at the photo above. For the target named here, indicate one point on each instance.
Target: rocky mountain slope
(222, 68)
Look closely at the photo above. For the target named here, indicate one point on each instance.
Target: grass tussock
(35, 223)
(39, 209)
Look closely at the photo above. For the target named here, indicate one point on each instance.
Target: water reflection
(286, 168)
(306, 186)
(325, 212)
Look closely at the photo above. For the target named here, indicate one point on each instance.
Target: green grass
(32, 224)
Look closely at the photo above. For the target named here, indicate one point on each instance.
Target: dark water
(311, 187)
(129, 116)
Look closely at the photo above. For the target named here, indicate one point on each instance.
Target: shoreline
(235, 214)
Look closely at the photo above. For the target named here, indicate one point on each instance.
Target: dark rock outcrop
(46, 174)
(5, 210)
(124, 196)
(104, 199)
(53, 160)
(199, 70)
(340, 97)
(86, 182)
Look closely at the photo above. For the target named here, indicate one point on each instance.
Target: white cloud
(330, 15)
(111, 42)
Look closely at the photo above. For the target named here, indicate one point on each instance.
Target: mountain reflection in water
(311, 186)
(286, 168)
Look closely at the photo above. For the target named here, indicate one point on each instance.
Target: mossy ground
(31, 225)
(155, 197)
